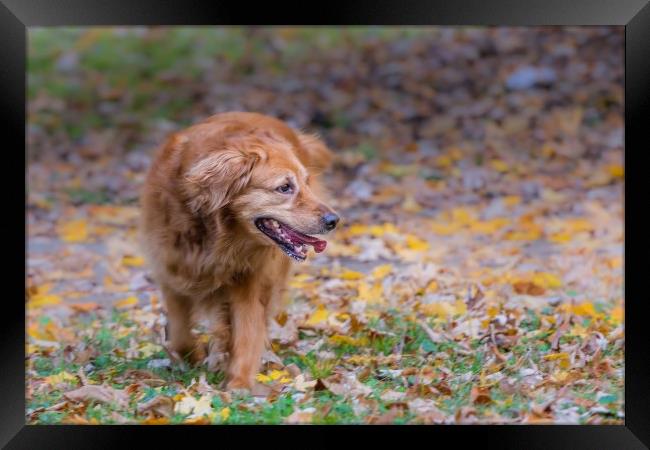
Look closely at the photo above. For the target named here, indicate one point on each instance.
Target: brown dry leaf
(301, 385)
(160, 406)
(466, 414)
(293, 370)
(443, 387)
(84, 307)
(423, 391)
(143, 376)
(480, 395)
(76, 419)
(286, 334)
(301, 416)
(528, 288)
(102, 394)
(388, 418)
(345, 384)
(427, 410)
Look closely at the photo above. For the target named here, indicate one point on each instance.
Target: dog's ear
(214, 180)
(314, 153)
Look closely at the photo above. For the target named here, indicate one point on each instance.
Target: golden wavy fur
(207, 197)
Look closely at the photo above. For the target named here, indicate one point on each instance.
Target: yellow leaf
(62, 377)
(357, 229)
(126, 302)
(616, 170)
(441, 309)
(263, 378)
(147, 349)
(31, 348)
(463, 216)
(559, 376)
(579, 330)
(443, 161)
(275, 374)
(617, 315)
(42, 289)
(511, 200)
(320, 315)
(339, 339)
(361, 360)
(39, 301)
(546, 280)
(370, 294)
(578, 225)
(415, 243)
(460, 308)
(37, 332)
(499, 165)
(560, 238)
(445, 228)
(530, 234)
(586, 309)
(351, 275)
(380, 230)
(380, 272)
(300, 281)
(556, 356)
(615, 263)
(132, 261)
(74, 231)
(489, 226)
(444, 309)
(224, 413)
(431, 287)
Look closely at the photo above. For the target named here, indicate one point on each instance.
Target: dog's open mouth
(294, 243)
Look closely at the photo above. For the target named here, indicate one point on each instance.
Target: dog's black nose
(330, 220)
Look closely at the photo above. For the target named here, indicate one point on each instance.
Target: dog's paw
(194, 356)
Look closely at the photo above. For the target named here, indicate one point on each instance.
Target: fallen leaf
(160, 406)
(127, 302)
(132, 261)
(74, 231)
(101, 394)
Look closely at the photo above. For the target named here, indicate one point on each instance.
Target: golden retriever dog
(227, 205)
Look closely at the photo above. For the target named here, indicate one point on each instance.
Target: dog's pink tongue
(318, 244)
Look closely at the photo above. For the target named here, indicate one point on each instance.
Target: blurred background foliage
(93, 90)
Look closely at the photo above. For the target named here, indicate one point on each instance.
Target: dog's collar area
(292, 242)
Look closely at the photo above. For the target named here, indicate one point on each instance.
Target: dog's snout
(330, 220)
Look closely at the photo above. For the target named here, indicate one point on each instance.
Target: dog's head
(264, 175)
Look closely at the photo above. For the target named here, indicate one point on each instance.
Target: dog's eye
(285, 188)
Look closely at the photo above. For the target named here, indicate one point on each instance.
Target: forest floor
(477, 274)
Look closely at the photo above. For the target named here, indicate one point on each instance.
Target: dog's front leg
(248, 328)
(181, 341)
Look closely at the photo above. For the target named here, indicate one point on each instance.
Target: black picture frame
(17, 15)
